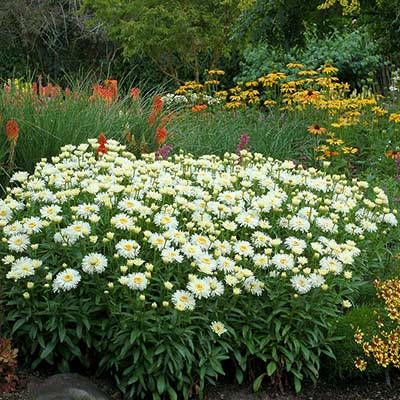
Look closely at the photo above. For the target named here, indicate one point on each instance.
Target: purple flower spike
(163, 152)
(398, 167)
(242, 145)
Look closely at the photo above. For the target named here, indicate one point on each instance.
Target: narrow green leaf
(258, 381)
(271, 368)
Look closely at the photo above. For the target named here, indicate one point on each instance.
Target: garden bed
(354, 390)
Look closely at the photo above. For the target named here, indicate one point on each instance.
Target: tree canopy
(172, 33)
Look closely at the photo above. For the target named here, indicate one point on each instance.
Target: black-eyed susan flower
(316, 129)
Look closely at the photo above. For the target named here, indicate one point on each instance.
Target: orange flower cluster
(49, 91)
(199, 107)
(385, 347)
(108, 91)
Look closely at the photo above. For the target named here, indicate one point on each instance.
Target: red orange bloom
(157, 104)
(157, 107)
(12, 130)
(107, 92)
(161, 135)
(199, 107)
(135, 93)
(102, 144)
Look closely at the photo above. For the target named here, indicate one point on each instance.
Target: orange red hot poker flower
(12, 130)
(161, 135)
(102, 144)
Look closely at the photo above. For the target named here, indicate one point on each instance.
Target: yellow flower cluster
(384, 348)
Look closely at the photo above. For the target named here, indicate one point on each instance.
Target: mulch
(355, 390)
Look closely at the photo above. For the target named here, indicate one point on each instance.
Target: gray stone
(69, 387)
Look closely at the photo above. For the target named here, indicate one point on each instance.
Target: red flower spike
(157, 104)
(102, 140)
(161, 135)
(135, 93)
(12, 130)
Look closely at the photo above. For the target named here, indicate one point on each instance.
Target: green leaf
(239, 376)
(18, 325)
(258, 381)
(161, 384)
(297, 384)
(171, 393)
(61, 332)
(48, 349)
(271, 368)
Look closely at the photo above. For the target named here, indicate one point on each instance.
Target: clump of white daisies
(184, 231)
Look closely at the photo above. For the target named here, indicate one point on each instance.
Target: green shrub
(353, 52)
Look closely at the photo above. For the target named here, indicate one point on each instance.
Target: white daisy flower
(316, 280)
(137, 281)
(299, 224)
(85, 210)
(293, 242)
(206, 263)
(326, 224)
(18, 243)
(243, 248)
(33, 224)
(78, 229)
(122, 221)
(13, 229)
(253, 286)
(216, 286)
(224, 247)
(301, 284)
(261, 260)
(20, 176)
(21, 268)
(283, 262)
(166, 221)
(128, 248)
(331, 264)
(190, 250)
(129, 205)
(50, 211)
(260, 239)
(5, 212)
(390, 219)
(183, 300)
(201, 240)
(170, 254)
(200, 288)
(225, 265)
(94, 263)
(66, 280)
(156, 240)
(218, 328)
(248, 219)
